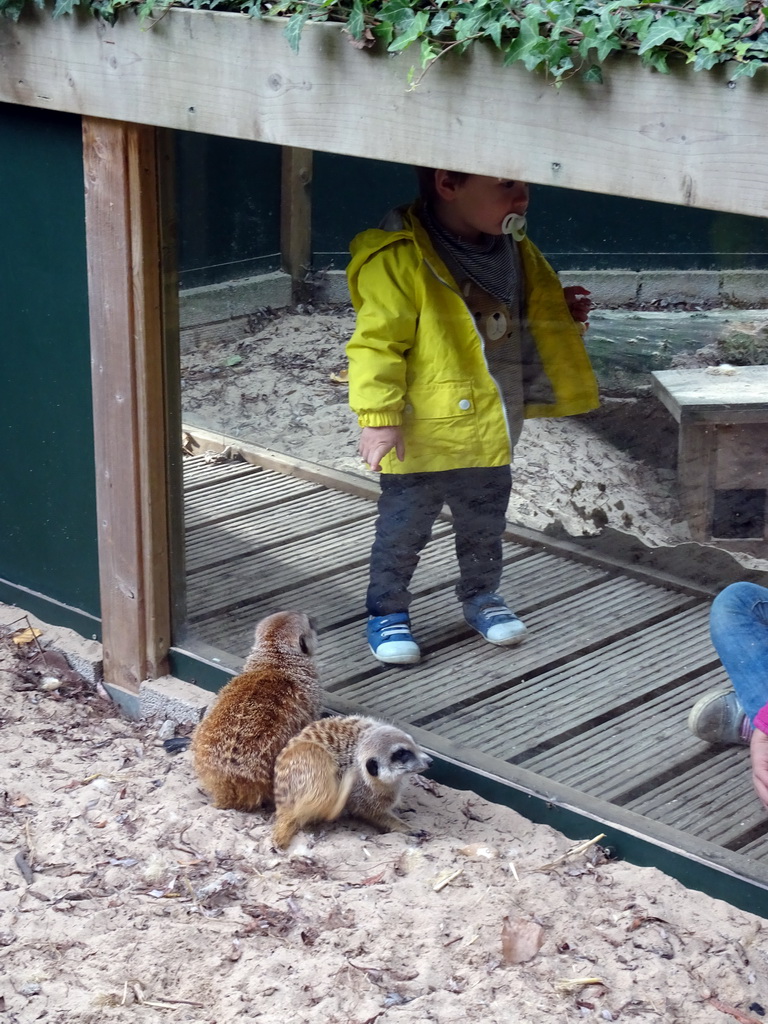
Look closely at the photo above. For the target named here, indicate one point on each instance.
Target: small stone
(167, 730)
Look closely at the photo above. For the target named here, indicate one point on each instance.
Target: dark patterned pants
(408, 507)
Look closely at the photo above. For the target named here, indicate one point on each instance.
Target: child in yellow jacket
(463, 329)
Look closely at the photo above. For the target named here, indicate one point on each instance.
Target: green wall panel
(48, 538)
(576, 230)
(229, 217)
(228, 198)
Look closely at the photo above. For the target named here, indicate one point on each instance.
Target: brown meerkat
(355, 764)
(235, 745)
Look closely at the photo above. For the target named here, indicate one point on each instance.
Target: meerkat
(235, 745)
(357, 764)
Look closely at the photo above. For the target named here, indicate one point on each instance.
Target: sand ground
(126, 897)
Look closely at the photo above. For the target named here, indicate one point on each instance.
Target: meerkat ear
(303, 646)
(372, 766)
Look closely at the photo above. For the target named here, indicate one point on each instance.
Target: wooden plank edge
(289, 465)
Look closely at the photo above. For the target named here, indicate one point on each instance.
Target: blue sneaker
(390, 640)
(488, 614)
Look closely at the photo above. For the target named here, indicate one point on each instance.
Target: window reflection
(623, 521)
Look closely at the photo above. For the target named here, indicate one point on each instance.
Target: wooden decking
(593, 703)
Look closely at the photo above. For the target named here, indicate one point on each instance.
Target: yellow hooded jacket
(417, 360)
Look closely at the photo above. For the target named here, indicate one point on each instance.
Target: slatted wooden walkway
(595, 699)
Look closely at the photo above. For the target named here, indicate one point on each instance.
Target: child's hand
(375, 442)
(578, 303)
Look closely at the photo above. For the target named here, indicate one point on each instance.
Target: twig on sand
(574, 851)
(158, 1004)
(733, 1011)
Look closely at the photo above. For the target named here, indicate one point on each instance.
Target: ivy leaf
(411, 34)
(639, 26)
(713, 43)
(746, 70)
(657, 60)
(11, 9)
(704, 60)
(385, 31)
(494, 31)
(292, 30)
(594, 73)
(759, 45)
(64, 7)
(399, 12)
(525, 46)
(427, 53)
(720, 7)
(661, 32)
(356, 23)
(440, 22)
(741, 49)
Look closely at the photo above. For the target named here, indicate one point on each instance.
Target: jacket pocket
(441, 417)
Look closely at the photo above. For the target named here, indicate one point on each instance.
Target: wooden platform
(593, 703)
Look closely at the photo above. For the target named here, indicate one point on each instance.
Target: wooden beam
(684, 138)
(296, 216)
(125, 302)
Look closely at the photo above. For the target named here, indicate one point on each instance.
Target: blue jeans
(738, 624)
(408, 507)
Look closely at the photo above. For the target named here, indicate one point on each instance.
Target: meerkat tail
(307, 788)
(285, 828)
(345, 788)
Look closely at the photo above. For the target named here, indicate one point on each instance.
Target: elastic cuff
(380, 419)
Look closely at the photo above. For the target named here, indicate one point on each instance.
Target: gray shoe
(718, 717)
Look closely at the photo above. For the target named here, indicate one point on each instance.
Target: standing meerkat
(357, 764)
(235, 745)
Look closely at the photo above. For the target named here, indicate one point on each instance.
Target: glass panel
(626, 515)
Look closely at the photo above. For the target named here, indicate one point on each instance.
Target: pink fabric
(761, 719)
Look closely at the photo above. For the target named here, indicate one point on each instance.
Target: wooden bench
(722, 466)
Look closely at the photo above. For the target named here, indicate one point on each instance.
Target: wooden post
(125, 301)
(296, 217)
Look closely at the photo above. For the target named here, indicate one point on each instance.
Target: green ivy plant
(565, 38)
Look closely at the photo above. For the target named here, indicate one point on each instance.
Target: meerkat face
(395, 757)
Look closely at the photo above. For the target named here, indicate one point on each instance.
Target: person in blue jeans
(739, 629)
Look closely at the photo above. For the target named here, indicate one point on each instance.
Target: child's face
(479, 204)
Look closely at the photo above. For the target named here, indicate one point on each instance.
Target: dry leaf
(520, 940)
(480, 850)
(365, 42)
(26, 636)
(342, 377)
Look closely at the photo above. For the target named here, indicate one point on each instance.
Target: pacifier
(515, 224)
